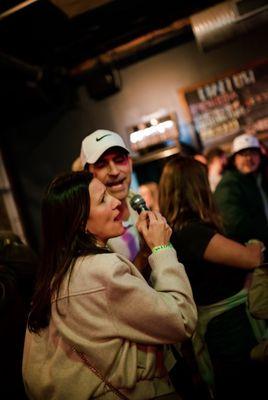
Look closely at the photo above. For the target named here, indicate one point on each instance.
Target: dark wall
(35, 149)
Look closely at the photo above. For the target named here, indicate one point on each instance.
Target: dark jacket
(240, 203)
(18, 264)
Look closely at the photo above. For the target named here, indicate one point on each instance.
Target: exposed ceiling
(67, 33)
(45, 43)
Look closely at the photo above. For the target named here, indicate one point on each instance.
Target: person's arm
(228, 252)
(163, 313)
(122, 305)
(149, 237)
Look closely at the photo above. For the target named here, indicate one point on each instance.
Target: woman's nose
(116, 203)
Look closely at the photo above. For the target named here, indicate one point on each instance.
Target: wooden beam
(135, 45)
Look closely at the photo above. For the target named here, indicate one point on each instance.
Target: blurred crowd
(164, 303)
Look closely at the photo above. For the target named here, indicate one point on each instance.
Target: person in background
(18, 265)
(149, 191)
(242, 194)
(106, 156)
(96, 327)
(218, 270)
(191, 151)
(216, 162)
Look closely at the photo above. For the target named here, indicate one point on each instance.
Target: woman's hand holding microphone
(154, 229)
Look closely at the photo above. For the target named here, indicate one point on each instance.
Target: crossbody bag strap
(119, 394)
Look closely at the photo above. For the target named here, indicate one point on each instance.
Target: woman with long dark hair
(218, 270)
(96, 328)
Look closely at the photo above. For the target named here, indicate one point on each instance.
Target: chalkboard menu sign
(233, 104)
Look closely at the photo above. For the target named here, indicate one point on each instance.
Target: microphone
(137, 202)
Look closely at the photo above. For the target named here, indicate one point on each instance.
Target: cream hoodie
(121, 324)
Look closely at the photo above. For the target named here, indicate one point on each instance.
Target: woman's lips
(118, 217)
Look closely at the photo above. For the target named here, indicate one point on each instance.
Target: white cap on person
(243, 142)
(95, 144)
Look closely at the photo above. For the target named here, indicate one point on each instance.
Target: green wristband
(162, 247)
(252, 241)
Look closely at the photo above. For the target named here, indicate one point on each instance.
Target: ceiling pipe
(20, 68)
(123, 51)
(211, 27)
(227, 20)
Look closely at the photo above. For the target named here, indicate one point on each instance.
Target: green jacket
(240, 204)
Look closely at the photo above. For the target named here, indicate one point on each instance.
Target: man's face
(114, 170)
(247, 161)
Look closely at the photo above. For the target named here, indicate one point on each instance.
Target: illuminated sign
(156, 131)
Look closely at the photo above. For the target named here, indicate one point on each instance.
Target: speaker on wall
(102, 82)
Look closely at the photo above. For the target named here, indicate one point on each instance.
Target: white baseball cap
(245, 141)
(95, 144)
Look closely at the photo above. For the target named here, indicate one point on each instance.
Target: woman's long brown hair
(185, 195)
(65, 211)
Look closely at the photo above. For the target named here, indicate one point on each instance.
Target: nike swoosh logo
(98, 139)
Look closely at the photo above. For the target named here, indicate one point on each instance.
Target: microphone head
(137, 202)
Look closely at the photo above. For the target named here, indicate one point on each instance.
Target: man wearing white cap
(242, 194)
(106, 156)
